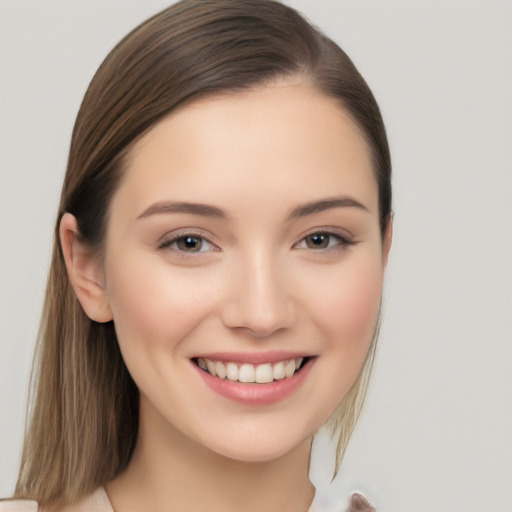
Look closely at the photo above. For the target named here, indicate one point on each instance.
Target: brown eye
(318, 241)
(324, 241)
(189, 243)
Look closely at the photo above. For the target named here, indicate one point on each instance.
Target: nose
(259, 300)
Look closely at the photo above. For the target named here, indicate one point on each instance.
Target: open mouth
(252, 373)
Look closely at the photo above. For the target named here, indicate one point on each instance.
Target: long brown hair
(84, 414)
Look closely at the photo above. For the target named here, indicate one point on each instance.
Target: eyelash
(341, 242)
(167, 243)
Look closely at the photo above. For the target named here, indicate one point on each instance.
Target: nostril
(259, 306)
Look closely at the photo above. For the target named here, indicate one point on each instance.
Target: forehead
(283, 139)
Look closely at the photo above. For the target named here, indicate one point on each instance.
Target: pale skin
(284, 255)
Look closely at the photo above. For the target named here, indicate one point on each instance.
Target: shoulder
(18, 506)
(96, 502)
(324, 502)
(358, 503)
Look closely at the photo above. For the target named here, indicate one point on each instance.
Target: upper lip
(252, 357)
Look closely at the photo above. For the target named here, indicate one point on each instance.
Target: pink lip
(252, 358)
(255, 394)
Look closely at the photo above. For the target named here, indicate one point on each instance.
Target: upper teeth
(245, 372)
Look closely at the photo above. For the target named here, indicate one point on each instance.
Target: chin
(260, 447)
(255, 455)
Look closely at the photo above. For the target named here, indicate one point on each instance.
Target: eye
(323, 240)
(187, 243)
(318, 241)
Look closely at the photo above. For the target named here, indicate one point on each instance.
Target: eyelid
(169, 238)
(345, 238)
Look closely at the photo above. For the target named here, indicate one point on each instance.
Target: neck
(171, 472)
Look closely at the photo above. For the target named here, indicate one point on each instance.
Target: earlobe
(84, 271)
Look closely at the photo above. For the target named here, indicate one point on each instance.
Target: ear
(84, 271)
(388, 239)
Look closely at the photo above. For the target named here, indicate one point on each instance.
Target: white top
(98, 502)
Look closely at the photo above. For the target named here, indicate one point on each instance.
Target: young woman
(216, 280)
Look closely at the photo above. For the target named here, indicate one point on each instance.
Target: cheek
(154, 307)
(347, 311)
(359, 303)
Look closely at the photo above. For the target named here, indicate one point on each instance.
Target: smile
(252, 373)
(254, 379)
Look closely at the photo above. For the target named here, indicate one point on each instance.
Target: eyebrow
(163, 207)
(206, 210)
(325, 204)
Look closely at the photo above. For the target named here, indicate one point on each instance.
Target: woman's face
(243, 245)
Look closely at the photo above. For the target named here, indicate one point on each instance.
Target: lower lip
(256, 394)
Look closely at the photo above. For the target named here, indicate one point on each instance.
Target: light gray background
(435, 435)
